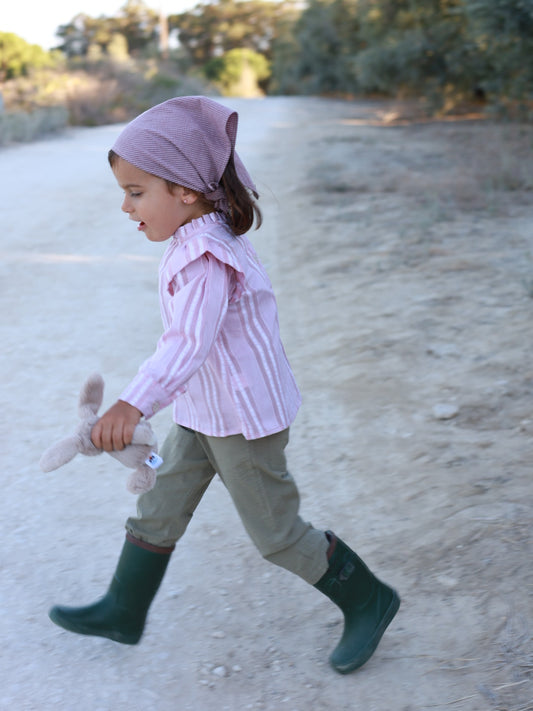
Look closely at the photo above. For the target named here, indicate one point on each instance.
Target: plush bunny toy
(140, 455)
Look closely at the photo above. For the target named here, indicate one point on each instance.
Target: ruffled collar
(199, 224)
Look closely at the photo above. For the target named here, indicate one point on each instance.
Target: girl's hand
(114, 430)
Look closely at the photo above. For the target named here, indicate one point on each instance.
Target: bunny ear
(59, 453)
(92, 394)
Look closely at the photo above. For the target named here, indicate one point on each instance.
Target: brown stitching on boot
(148, 546)
(332, 538)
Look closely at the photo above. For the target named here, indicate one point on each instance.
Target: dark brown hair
(242, 205)
(243, 209)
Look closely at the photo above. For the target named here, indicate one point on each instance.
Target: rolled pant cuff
(163, 550)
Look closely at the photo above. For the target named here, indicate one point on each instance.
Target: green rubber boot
(120, 615)
(368, 605)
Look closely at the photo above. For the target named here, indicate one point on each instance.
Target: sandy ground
(407, 321)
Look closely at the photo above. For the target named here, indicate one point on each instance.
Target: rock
(445, 411)
(443, 350)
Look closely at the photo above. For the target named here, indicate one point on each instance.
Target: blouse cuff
(147, 395)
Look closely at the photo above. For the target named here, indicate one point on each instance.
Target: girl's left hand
(114, 430)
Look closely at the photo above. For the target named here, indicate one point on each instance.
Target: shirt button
(156, 406)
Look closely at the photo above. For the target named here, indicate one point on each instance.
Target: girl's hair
(243, 209)
(242, 206)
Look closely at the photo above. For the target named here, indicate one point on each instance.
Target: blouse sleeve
(197, 310)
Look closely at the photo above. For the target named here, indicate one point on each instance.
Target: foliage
(136, 24)
(238, 72)
(448, 51)
(418, 48)
(317, 52)
(18, 57)
(210, 30)
(504, 35)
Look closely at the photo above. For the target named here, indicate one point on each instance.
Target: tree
(387, 46)
(82, 32)
(503, 32)
(448, 50)
(316, 54)
(136, 22)
(139, 24)
(18, 57)
(418, 47)
(211, 30)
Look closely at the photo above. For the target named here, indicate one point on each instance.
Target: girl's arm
(198, 307)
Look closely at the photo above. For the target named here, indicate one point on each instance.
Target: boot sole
(370, 648)
(114, 635)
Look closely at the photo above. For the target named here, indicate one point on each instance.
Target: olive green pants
(264, 493)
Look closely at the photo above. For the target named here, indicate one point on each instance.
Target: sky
(37, 20)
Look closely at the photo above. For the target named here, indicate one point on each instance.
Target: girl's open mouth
(141, 225)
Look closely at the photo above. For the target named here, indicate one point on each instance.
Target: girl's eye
(135, 195)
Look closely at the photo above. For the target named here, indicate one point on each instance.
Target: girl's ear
(186, 195)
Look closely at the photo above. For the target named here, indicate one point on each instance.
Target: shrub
(21, 126)
(99, 92)
(238, 72)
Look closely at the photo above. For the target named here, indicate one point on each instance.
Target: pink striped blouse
(220, 359)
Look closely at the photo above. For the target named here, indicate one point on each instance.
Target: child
(221, 363)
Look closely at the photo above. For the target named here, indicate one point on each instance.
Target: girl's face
(148, 201)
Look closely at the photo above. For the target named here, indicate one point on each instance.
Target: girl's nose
(126, 207)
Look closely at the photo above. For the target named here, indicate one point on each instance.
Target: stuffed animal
(141, 455)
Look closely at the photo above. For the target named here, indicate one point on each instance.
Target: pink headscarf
(187, 140)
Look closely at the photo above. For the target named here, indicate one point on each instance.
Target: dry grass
(90, 95)
(470, 167)
(487, 166)
(513, 670)
(26, 126)
(462, 166)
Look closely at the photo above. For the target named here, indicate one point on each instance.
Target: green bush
(238, 72)
(316, 54)
(451, 52)
(503, 30)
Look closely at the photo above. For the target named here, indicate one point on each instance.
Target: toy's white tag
(154, 460)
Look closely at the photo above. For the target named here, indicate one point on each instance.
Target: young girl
(221, 363)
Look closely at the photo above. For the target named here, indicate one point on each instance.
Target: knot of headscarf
(217, 195)
(189, 141)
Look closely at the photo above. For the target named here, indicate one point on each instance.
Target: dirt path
(406, 315)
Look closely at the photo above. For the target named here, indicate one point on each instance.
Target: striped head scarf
(189, 141)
